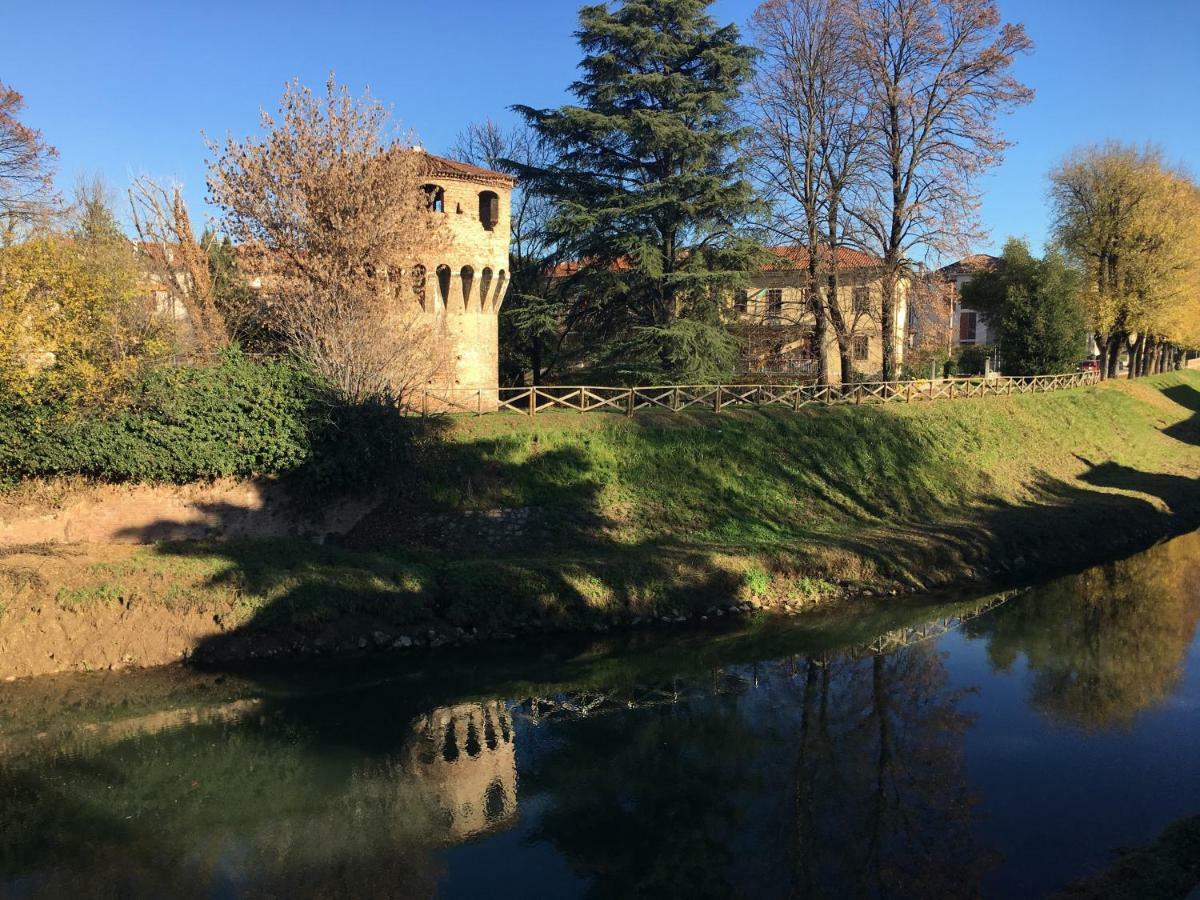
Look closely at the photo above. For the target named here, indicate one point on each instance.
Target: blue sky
(127, 88)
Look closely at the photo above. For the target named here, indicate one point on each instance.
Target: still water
(1003, 746)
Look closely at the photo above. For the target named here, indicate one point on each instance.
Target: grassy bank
(569, 521)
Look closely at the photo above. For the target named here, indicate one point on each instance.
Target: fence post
(717, 399)
(425, 404)
(796, 400)
(908, 392)
(629, 403)
(582, 400)
(675, 399)
(533, 400)
(479, 403)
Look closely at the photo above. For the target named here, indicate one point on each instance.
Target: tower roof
(441, 167)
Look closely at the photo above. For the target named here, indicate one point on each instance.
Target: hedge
(237, 417)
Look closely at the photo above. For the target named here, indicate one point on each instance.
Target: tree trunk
(1114, 353)
(821, 321)
(839, 326)
(1102, 350)
(888, 315)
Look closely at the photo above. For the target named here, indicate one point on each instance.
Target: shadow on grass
(549, 527)
(1188, 430)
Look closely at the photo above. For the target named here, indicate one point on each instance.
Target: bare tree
(807, 114)
(330, 203)
(26, 164)
(938, 77)
(170, 251)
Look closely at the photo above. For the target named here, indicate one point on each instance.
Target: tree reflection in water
(689, 770)
(820, 776)
(1108, 643)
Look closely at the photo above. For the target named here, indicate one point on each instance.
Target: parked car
(1090, 365)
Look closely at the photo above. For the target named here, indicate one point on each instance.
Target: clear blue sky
(127, 88)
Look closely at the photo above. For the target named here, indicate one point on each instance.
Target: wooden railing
(531, 401)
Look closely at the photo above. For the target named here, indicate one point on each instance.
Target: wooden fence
(531, 401)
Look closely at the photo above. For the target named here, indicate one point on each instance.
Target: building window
(862, 301)
(741, 303)
(435, 197)
(489, 209)
(774, 303)
(968, 326)
(862, 348)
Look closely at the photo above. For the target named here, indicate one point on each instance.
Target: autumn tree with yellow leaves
(72, 320)
(1130, 221)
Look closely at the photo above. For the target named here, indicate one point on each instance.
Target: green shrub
(235, 418)
(756, 581)
(973, 359)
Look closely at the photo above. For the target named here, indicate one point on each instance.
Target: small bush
(756, 581)
(972, 360)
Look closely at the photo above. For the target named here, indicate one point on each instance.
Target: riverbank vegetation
(507, 524)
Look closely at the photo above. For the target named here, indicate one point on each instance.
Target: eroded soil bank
(514, 526)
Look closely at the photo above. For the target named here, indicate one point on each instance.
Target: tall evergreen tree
(1034, 306)
(648, 186)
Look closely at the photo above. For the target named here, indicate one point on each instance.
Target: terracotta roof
(440, 166)
(786, 259)
(564, 269)
(972, 265)
(796, 257)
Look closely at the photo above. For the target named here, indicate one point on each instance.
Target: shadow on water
(821, 757)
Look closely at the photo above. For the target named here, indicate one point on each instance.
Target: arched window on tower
(489, 209)
(435, 197)
(443, 280)
(467, 277)
(485, 284)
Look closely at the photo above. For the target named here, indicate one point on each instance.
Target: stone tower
(465, 275)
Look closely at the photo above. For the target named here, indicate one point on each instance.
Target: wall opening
(435, 197)
(501, 285)
(443, 280)
(489, 209)
(467, 277)
(485, 284)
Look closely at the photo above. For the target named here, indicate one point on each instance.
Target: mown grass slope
(568, 520)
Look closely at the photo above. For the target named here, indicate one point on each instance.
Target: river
(1004, 746)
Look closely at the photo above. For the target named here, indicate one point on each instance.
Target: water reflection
(783, 760)
(464, 759)
(1106, 644)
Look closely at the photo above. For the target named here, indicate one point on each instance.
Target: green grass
(77, 599)
(671, 513)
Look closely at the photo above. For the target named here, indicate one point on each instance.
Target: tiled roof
(796, 257)
(784, 259)
(452, 168)
(972, 265)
